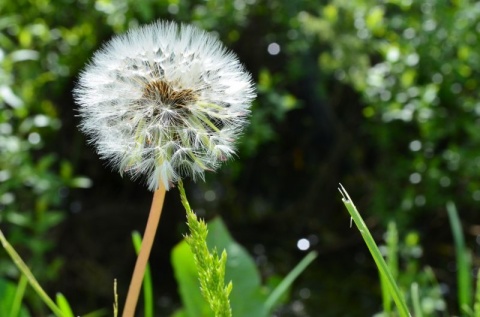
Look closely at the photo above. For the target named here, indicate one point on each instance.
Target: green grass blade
(417, 310)
(464, 265)
(64, 305)
(288, 280)
(20, 291)
(386, 297)
(476, 305)
(147, 280)
(28, 274)
(376, 254)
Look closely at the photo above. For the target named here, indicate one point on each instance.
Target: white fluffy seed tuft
(163, 102)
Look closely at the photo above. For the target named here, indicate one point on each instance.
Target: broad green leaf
(247, 298)
(7, 290)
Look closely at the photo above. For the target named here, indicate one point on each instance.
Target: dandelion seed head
(163, 102)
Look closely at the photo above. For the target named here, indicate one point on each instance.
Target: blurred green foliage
(418, 283)
(35, 69)
(416, 66)
(381, 95)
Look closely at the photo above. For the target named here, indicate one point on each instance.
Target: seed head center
(160, 91)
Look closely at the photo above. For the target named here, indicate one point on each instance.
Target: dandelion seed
(164, 102)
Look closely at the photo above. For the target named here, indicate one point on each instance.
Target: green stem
(28, 274)
(17, 301)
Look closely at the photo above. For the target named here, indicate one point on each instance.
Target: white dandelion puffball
(163, 102)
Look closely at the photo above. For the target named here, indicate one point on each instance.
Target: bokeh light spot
(415, 178)
(210, 195)
(273, 48)
(303, 244)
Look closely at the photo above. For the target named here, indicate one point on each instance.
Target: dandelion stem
(142, 259)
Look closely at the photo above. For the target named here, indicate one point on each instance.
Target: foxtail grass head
(163, 102)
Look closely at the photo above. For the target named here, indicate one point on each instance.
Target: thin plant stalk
(20, 292)
(115, 299)
(376, 254)
(463, 260)
(28, 274)
(142, 259)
